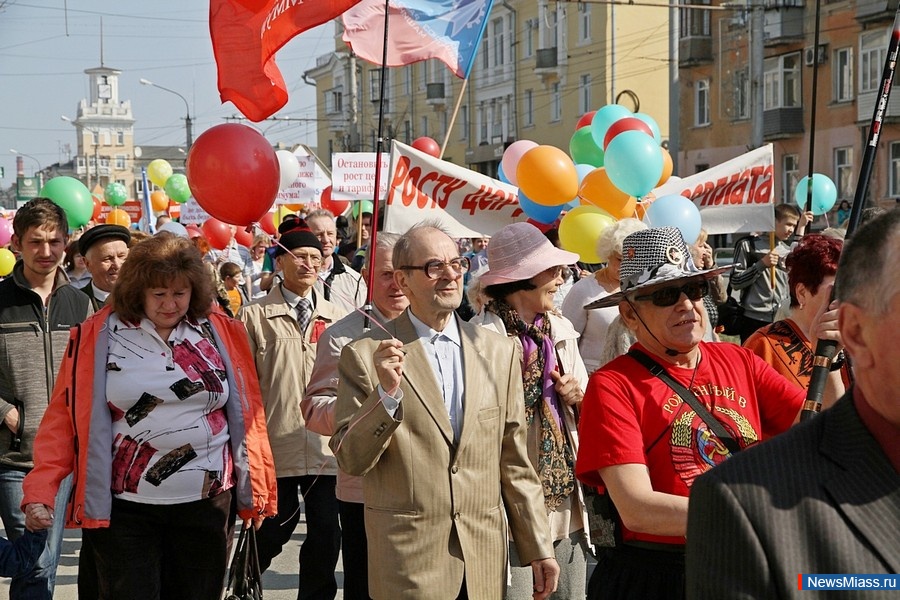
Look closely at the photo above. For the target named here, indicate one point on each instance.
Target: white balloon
(290, 168)
(174, 227)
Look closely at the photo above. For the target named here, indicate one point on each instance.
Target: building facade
(541, 65)
(731, 102)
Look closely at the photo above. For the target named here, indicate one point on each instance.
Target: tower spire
(101, 41)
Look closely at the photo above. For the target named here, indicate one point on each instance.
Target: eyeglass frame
(463, 262)
(682, 289)
(312, 259)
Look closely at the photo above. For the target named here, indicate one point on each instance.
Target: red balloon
(233, 173)
(338, 207)
(267, 223)
(98, 206)
(243, 237)
(585, 120)
(428, 146)
(217, 233)
(625, 124)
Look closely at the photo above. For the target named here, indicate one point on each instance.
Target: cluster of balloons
(615, 159)
(174, 185)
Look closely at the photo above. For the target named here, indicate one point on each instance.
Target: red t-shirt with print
(630, 416)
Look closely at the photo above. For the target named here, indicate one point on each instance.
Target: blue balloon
(652, 124)
(675, 210)
(501, 175)
(824, 194)
(539, 212)
(605, 117)
(634, 163)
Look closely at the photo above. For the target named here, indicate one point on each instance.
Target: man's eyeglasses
(668, 296)
(311, 259)
(434, 269)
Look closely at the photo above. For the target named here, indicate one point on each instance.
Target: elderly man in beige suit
(431, 414)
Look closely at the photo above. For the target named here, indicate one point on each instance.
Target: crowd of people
(457, 418)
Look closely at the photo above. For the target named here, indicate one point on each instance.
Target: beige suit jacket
(437, 511)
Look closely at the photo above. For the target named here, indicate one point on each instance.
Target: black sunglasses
(668, 296)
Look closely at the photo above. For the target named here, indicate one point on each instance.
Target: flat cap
(102, 232)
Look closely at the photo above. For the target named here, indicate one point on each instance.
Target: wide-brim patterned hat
(652, 257)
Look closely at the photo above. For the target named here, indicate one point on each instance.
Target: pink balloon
(512, 156)
(6, 231)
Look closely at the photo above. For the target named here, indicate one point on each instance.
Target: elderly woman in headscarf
(524, 273)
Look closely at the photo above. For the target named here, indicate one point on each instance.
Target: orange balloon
(294, 207)
(159, 201)
(547, 176)
(117, 216)
(597, 190)
(668, 166)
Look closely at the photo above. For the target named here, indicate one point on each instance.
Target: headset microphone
(669, 351)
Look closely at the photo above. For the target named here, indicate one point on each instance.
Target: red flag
(246, 34)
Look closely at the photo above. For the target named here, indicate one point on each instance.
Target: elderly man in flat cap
(284, 327)
(104, 249)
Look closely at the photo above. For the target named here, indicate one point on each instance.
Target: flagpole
(370, 252)
(459, 100)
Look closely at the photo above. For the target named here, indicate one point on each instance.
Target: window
(843, 172)
(121, 181)
(407, 131)
(584, 22)
(894, 183)
(497, 31)
(781, 81)
(95, 138)
(334, 101)
(554, 29)
(790, 176)
(694, 23)
(485, 57)
(120, 138)
(584, 94)
(120, 162)
(483, 124)
(374, 85)
(528, 108)
(842, 74)
(464, 122)
(139, 187)
(408, 80)
(424, 126)
(742, 94)
(530, 32)
(555, 102)
(701, 103)
(872, 48)
(496, 123)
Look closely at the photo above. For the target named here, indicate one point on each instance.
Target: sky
(45, 46)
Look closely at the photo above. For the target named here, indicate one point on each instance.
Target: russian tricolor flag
(448, 30)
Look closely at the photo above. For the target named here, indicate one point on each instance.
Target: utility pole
(757, 98)
(674, 87)
(354, 106)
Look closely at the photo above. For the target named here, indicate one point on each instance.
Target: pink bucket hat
(520, 251)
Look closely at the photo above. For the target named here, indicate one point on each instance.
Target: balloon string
(346, 299)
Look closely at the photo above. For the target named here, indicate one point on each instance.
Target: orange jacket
(75, 434)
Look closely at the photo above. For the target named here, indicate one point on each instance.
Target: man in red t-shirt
(640, 441)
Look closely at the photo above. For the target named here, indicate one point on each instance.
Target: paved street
(280, 581)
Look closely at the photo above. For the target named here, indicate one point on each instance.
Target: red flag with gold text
(246, 34)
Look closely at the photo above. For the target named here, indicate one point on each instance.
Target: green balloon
(115, 194)
(366, 206)
(584, 150)
(177, 188)
(73, 197)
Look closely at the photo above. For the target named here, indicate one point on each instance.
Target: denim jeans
(37, 585)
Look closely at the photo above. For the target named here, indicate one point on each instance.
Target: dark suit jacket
(437, 510)
(820, 498)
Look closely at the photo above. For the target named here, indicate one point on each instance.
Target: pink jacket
(75, 433)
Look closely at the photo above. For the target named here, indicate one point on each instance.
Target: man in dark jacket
(104, 248)
(37, 309)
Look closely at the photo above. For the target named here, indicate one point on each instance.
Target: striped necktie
(304, 312)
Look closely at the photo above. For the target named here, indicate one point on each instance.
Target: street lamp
(189, 139)
(39, 172)
(96, 145)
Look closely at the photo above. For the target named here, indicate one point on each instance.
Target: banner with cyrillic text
(308, 185)
(353, 175)
(465, 203)
(735, 196)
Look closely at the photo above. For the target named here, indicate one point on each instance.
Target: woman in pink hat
(524, 272)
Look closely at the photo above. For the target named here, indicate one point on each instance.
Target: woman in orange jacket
(158, 413)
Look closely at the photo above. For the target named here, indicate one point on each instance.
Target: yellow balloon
(281, 211)
(159, 171)
(580, 229)
(7, 262)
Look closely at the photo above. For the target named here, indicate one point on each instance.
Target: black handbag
(244, 577)
(730, 313)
